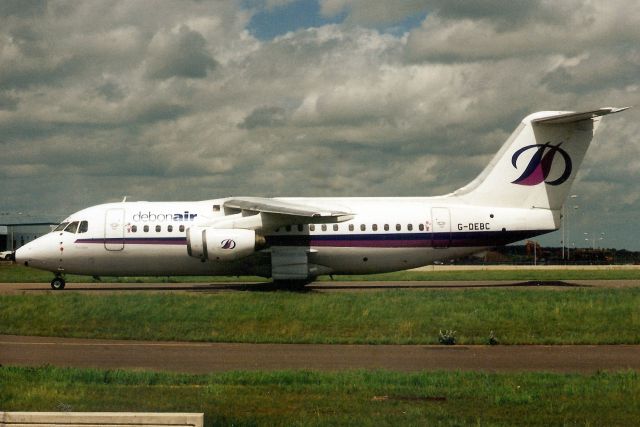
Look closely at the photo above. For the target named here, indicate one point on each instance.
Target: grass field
(344, 398)
(516, 316)
(12, 273)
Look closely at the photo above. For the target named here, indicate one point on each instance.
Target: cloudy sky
(162, 100)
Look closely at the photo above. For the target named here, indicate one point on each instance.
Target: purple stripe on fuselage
(382, 240)
(370, 243)
(405, 240)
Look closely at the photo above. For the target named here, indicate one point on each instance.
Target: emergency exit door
(441, 225)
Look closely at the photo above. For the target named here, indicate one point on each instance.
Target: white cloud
(178, 101)
(561, 28)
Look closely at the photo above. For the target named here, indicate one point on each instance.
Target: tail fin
(537, 165)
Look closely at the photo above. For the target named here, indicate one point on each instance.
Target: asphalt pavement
(217, 357)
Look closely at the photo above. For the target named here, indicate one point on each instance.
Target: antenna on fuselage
(125, 199)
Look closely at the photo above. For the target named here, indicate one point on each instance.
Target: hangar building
(12, 236)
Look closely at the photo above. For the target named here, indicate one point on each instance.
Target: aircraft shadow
(210, 288)
(427, 285)
(312, 287)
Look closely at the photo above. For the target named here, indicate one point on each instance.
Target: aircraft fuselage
(150, 238)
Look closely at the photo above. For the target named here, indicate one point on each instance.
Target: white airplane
(518, 195)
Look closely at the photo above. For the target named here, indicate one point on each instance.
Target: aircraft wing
(295, 212)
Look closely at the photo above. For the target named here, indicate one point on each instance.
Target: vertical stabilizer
(537, 165)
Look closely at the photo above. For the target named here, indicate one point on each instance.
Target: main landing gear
(58, 283)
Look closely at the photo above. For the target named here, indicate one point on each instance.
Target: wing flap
(306, 213)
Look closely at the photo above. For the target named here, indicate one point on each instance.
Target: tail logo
(539, 166)
(227, 244)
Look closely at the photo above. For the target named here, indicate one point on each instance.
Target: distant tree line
(531, 252)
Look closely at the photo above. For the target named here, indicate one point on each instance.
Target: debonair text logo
(539, 166)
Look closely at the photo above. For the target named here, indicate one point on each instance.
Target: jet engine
(218, 244)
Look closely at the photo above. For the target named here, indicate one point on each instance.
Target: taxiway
(216, 357)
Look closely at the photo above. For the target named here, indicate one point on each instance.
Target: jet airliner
(517, 196)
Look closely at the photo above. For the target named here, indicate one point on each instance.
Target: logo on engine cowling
(228, 244)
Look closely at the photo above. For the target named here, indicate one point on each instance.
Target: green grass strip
(344, 398)
(12, 273)
(516, 316)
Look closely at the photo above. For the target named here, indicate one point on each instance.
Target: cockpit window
(61, 226)
(72, 228)
(84, 226)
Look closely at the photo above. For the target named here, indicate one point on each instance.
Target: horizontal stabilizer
(562, 118)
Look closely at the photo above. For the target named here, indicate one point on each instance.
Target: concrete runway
(218, 357)
(333, 286)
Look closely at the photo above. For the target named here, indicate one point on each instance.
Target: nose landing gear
(58, 283)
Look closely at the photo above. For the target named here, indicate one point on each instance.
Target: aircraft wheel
(58, 283)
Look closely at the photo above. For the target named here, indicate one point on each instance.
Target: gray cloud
(111, 91)
(502, 13)
(22, 8)
(546, 28)
(264, 117)
(601, 69)
(366, 12)
(8, 102)
(182, 54)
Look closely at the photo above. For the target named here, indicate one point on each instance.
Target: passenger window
(181, 229)
(134, 228)
(312, 227)
(386, 227)
(145, 228)
(335, 227)
(374, 227)
(410, 227)
(216, 208)
(351, 227)
(84, 226)
(61, 226)
(72, 228)
(398, 227)
(158, 228)
(288, 228)
(324, 227)
(169, 228)
(300, 228)
(363, 227)
(421, 227)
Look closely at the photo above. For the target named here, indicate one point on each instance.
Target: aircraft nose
(22, 254)
(33, 254)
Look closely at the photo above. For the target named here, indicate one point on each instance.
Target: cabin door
(441, 224)
(114, 230)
